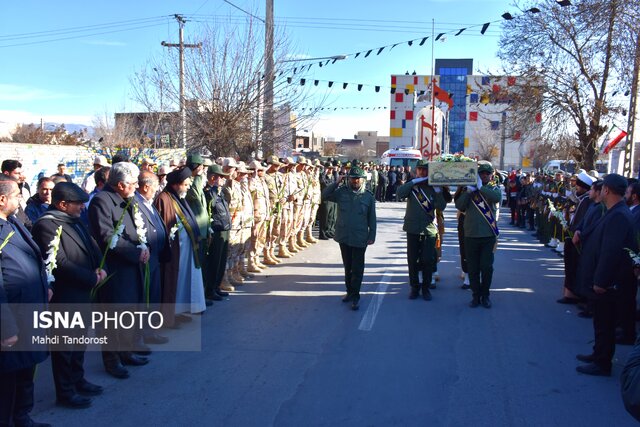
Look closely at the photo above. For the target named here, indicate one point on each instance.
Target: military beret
(178, 176)
(68, 192)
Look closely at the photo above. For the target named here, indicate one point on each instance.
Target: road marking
(366, 324)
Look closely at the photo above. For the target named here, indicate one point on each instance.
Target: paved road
(284, 351)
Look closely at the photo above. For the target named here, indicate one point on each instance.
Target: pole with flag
(609, 144)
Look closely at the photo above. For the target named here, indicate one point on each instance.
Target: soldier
(261, 214)
(247, 220)
(300, 199)
(231, 193)
(480, 231)
(422, 202)
(285, 247)
(326, 212)
(355, 230)
(218, 209)
(274, 180)
(315, 197)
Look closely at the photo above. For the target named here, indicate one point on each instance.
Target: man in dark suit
(158, 242)
(571, 254)
(76, 273)
(23, 283)
(608, 272)
(125, 261)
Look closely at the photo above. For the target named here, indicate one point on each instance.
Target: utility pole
(268, 145)
(181, 46)
(629, 148)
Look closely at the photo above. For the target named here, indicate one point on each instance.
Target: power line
(81, 36)
(84, 28)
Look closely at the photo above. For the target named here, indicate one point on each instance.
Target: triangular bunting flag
(484, 28)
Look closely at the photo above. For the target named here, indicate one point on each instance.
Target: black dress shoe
(426, 294)
(156, 339)
(465, 287)
(208, 302)
(86, 388)
(222, 293)
(142, 350)
(117, 370)
(585, 314)
(347, 298)
(568, 300)
(595, 370)
(215, 297)
(74, 402)
(474, 302)
(355, 305)
(134, 360)
(586, 358)
(415, 291)
(486, 302)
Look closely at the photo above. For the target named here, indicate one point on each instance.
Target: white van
(401, 156)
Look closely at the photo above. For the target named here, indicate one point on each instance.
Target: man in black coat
(23, 284)
(76, 273)
(125, 261)
(607, 272)
(391, 185)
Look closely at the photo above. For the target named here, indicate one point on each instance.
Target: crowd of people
(177, 238)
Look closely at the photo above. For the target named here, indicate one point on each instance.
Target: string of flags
(420, 41)
(344, 108)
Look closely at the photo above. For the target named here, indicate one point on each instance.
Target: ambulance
(401, 156)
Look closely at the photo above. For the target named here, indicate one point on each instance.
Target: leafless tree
(224, 86)
(572, 59)
(116, 134)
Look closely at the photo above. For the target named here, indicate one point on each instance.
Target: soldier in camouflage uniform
(290, 186)
(247, 220)
(275, 183)
(296, 242)
(235, 199)
(261, 214)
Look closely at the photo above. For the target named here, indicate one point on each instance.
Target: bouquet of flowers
(52, 253)
(457, 157)
(635, 257)
(113, 241)
(141, 231)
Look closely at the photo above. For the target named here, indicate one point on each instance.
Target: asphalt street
(285, 351)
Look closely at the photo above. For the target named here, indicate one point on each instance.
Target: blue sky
(75, 79)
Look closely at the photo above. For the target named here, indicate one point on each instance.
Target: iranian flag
(608, 144)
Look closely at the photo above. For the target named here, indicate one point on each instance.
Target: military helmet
(484, 166)
(356, 172)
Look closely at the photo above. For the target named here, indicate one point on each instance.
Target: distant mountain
(70, 127)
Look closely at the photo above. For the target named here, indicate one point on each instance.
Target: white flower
(52, 252)
(116, 236)
(174, 230)
(141, 230)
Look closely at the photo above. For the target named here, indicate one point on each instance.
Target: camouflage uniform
(261, 214)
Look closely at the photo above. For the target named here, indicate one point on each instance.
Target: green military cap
(216, 169)
(485, 166)
(356, 172)
(194, 159)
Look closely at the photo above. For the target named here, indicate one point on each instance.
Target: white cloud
(9, 92)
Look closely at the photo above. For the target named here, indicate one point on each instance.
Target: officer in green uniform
(480, 232)
(422, 202)
(355, 228)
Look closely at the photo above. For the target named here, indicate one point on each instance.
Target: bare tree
(572, 60)
(224, 85)
(114, 134)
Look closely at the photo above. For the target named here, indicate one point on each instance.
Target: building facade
(480, 122)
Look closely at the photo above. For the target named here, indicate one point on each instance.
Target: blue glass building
(453, 78)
